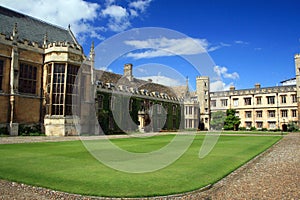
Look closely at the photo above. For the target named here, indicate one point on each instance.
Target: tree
(231, 122)
(217, 120)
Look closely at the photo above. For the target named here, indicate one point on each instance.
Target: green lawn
(67, 166)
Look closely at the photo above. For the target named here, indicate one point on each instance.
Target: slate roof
(117, 79)
(32, 29)
(180, 91)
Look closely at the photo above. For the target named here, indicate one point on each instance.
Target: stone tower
(297, 68)
(202, 87)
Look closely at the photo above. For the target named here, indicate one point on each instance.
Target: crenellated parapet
(63, 52)
(255, 91)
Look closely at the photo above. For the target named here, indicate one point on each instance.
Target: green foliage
(242, 128)
(4, 131)
(231, 122)
(217, 120)
(253, 128)
(30, 130)
(69, 167)
(108, 120)
(292, 127)
(263, 129)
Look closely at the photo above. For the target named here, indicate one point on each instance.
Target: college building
(47, 82)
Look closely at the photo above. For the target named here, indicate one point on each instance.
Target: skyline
(247, 40)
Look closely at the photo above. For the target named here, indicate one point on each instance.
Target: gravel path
(273, 175)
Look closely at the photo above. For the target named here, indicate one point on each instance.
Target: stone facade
(268, 108)
(43, 71)
(29, 50)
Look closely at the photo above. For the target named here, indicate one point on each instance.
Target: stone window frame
(247, 101)
(258, 100)
(259, 114)
(272, 125)
(174, 107)
(259, 124)
(100, 98)
(294, 113)
(271, 113)
(224, 102)
(213, 103)
(248, 114)
(271, 99)
(283, 99)
(248, 124)
(284, 113)
(58, 88)
(71, 87)
(235, 102)
(294, 98)
(27, 78)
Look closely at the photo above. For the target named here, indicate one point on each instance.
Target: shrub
(263, 129)
(242, 128)
(29, 130)
(292, 127)
(4, 131)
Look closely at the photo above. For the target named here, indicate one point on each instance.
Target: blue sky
(249, 41)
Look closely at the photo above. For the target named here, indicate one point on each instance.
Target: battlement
(63, 44)
(202, 78)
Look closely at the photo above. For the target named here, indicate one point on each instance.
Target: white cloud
(140, 5)
(163, 80)
(118, 18)
(115, 12)
(241, 42)
(219, 86)
(167, 47)
(105, 69)
(222, 72)
(82, 15)
(61, 13)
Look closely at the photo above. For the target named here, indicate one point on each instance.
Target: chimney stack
(257, 85)
(128, 71)
(232, 88)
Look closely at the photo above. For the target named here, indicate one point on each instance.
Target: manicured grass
(248, 132)
(67, 166)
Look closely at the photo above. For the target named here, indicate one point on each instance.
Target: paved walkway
(273, 175)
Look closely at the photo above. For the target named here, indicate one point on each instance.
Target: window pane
(27, 78)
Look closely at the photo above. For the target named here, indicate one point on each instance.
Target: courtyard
(67, 166)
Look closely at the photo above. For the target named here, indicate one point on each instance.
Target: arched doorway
(284, 127)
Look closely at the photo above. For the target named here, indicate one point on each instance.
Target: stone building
(38, 62)
(268, 108)
(196, 104)
(39, 66)
(263, 107)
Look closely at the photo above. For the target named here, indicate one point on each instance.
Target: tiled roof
(180, 91)
(32, 29)
(117, 79)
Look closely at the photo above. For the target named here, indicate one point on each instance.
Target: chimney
(232, 88)
(128, 71)
(257, 85)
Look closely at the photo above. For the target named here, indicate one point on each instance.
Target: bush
(4, 131)
(252, 128)
(264, 129)
(242, 128)
(27, 130)
(292, 127)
